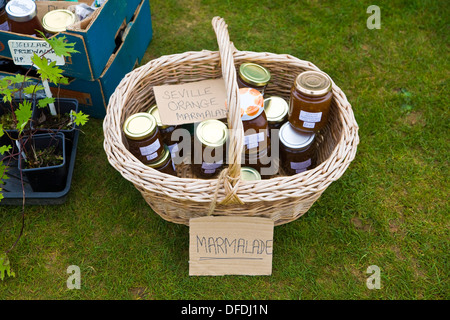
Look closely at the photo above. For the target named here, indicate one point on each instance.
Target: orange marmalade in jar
(252, 75)
(310, 101)
(254, 120)
(297, 151)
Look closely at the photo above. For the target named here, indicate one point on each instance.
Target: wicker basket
(177, 199)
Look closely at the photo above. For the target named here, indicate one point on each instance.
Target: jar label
(253, 140)
(310, 116)
(148, 150)
(251, 102)
(211, 166)
(309, 124)
(300, 166)
(173, 148)
(152, 156)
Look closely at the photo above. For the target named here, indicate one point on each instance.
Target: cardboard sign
(191, 102)
(23, 50)
(230, 246)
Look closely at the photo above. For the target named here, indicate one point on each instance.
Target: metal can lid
(58, 20)
(21, 10)
(276, 108)
(162, 160)
(212, 133)
(139, 126)
(154, 112)
(294, 139)
(254, 74)
(249, 174)
(313, 83)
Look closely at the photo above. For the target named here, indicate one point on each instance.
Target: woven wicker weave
(177, 199)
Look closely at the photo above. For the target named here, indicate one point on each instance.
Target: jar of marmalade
(165, 164)
(164, 130)
(276, 109)
(262, 162)
(212, 135)
(310, 101)
(58, 20)
(22, 15)
(249, 174)
(252, 75)
(142, 134)
(254, 120)
(297, 152)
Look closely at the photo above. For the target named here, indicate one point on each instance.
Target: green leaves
(42, 103)
(47, 71)
(5, 268)
(80, 118)
(23, 114)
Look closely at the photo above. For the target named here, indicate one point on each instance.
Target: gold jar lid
(212, 133)
(21, 10)
(294, 139)
(254, 74)
(313, 83)
(139, 126)
(154, 112)
(58, 20)
(158, 163)
(249, 174)
(276, 108)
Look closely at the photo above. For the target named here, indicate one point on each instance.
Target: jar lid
(276, 108)
(313, 83)
(162, 160)
(254, 74)
(21, 10)
(212, 133)
(58, 20)
(139, 126)
(249, 174)
(294, 139)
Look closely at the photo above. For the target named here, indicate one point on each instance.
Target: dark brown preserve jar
(297, 152)
(262, 162)
(144, 140)
(23, 19)
(276, 110)
(254, 120)
(165, 164)
(310, 101)
(212, 136)
(252, 75)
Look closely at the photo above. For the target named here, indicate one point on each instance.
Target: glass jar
(252, 75)
(276, 109)
(23, 19)
(211, 135)
(164, 130)
(4, 26)
(142, 134)
(262, 162)
(249, 174)
(254, 120)
(297, 152)
(310, 101)
(165, 164)
(58, 20)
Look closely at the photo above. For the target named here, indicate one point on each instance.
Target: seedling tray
(12, 189)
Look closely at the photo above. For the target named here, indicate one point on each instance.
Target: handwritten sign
(191, 102)
(23, 50)
(226, 245)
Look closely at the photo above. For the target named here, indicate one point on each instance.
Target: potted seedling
(38, 150)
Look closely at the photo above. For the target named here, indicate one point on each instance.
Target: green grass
(389, 209)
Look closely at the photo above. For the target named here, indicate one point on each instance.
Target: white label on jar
(145, 151)
(300, 166)
(152, 156)
(253, 140)
(310, 116)
(309, 125)
(211, 166)
(173, 148)
(210, 171)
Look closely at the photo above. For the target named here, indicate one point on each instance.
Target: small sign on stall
(227, 245)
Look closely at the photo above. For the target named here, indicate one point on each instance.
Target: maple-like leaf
(42, 103)
(5, 267)
(80, 118)
(31, 89)
(47, 71)
(23, 114)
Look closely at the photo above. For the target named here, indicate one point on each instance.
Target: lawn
(389, 209)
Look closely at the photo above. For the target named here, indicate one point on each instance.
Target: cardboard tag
(23, 50)
(226, 245)
(191, 102)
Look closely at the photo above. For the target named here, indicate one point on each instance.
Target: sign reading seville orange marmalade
(191, 102)
(228, 245)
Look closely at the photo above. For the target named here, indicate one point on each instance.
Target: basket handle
(231, 177)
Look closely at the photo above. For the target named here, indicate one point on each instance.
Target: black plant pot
(62, 105)
(45, 179)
